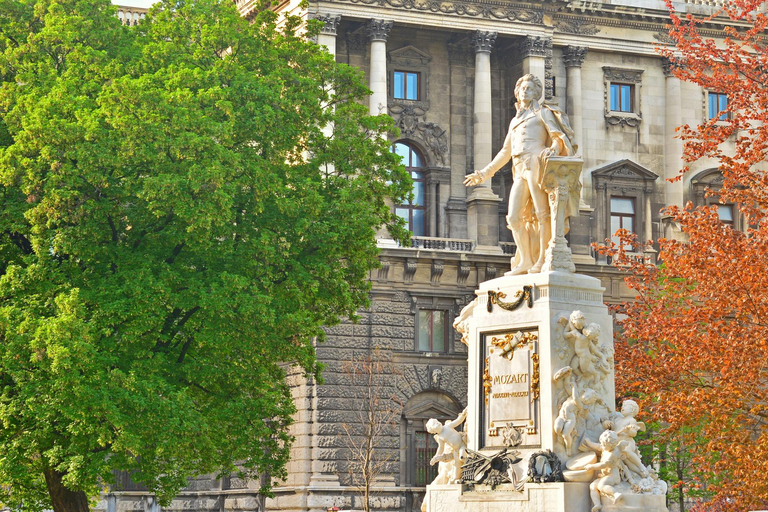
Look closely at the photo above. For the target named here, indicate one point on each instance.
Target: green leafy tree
(183, 206)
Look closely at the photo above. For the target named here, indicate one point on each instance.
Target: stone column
(482, 203)
(533, 50)
(673, 148)
(327, 36)
(378, 31)
(573, 56)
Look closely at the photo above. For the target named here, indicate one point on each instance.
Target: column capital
(532, 46)
(669, 67)
(330, 22)
(378, 30)
(484, 41)
(573, 56)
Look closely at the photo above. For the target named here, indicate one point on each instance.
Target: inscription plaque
(510, 385)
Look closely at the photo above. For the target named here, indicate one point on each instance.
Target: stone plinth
(554, 296)
(550, 497)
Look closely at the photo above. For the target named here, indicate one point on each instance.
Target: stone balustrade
(442, 244)
(130, 15)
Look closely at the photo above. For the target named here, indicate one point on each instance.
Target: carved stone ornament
(510, 342)
(549, 76)
(437, 271)
(490, 470)
(561, 183)
(522, 296)
(411, 120)
(484, 41)
(409, 57)
(512, 436)
(533, 46)
(575, 26)
(627, 76)
(378, 30)
(633, 121)
(665, 38)
(573, 56)
(465, 9)
(330, 22)
(544, 466)
(411, 264)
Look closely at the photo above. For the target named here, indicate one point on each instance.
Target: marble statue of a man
(537, 132)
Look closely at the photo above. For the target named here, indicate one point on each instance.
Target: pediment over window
(409, 56)
(624, 170)
(431, 404)
(712, 178)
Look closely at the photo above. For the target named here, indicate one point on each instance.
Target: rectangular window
(432, 331)
(406, 85)
(717, 106)
(425, 448)
(622, 97)
(622, 215)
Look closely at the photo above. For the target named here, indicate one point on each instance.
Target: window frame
(405, 74)
(410, 206)
(631, 78)
(622, 216)
(446, 337)
(725, 116)
(630, 97)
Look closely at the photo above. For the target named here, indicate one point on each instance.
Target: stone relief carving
(411, 119)
(409, 56)
(492, 470)
(573, 56)
(512, 436)
(576, 26)
(484, 41)
(467, 9)
(544, 466)
(378, 30)
(632, 76)
(330, 22)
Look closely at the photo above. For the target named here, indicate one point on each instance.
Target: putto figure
(537, 132)
(451, 446)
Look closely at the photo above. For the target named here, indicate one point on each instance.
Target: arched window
(413, 211)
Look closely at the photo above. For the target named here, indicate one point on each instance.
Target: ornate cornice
(330, 22)
(477, 9)
(574, 56)
(484, 41)
(378, 30)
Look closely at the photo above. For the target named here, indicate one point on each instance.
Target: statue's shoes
(519, 269)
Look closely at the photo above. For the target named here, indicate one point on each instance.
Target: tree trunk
(62, 498)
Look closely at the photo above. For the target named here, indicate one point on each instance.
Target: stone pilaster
(378, 31)
(673, 148)
(573, 57)
(482, 203)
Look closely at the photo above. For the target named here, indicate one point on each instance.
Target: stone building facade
(445, 70)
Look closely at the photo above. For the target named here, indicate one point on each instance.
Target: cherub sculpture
(626, 427)
(611, 466)
(573, 412)
(451, 444)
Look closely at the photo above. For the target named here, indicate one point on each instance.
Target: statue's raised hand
(474, 179)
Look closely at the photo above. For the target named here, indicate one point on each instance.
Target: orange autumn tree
(696, 338)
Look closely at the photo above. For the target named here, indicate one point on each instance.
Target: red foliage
(696, 339)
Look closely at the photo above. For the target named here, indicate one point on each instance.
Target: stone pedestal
(548, 300)
(551, 497)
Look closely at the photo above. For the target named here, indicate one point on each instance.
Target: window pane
(415, 159)
(615, 226)
(402, 151)
(725, 212)
(712, 110)
(622, 205)
(412, 87)
(628, 223)
(418, 193)
(404, 213)
(418, 223)
(425, 318)
(626, 98)
(399, 85)
(723, 101)
(438, 331)
(614, 97)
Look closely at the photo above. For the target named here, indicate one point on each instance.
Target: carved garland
(524, 295)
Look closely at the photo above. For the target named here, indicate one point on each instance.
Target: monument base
(549, 497)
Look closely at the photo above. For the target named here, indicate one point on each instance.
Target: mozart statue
(537, 132)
